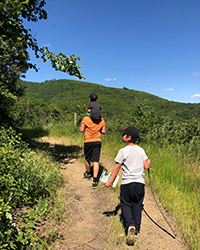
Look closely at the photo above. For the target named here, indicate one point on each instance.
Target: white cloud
(195, 74)
(110, 79)
(149, 80)
(131, 78)
(196, 95)
(47, 45)
(168, 89)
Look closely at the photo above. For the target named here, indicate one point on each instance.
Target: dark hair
(93, 99)
(133, 140)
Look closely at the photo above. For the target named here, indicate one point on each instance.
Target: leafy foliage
(35, 113)
(26, 178)
(15, 40)
(73, 96)
(57, 101)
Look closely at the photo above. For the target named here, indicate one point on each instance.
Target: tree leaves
(15, 40)
(61, 62)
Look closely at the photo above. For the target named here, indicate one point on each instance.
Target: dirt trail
(85, 224)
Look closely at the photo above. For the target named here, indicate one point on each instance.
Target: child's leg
(95, 169)
(126, 205)
(137, 205)
(87, 156)
(87, 166)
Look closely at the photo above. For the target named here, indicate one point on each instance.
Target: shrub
(27, 178)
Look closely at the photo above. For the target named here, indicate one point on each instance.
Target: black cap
(132, 131)
(93, 96)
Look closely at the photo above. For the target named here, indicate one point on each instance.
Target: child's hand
(149, 162)
(108, 184)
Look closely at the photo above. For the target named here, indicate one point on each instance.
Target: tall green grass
(175, 175)
(68, 130)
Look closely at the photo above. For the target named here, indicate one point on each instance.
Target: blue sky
(151, 46)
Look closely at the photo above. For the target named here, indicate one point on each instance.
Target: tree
(14, 43)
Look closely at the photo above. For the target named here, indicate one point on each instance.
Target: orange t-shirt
(92, 129)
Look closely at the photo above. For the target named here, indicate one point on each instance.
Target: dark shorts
(92, 151)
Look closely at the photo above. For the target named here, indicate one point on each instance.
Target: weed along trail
(93, 218)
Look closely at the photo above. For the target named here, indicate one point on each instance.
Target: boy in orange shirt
(92, 145)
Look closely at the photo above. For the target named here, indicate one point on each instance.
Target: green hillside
(71, 95)
(169, 132)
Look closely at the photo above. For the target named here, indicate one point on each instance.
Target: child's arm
(82, 128)
(114, 174)
(147, 164)
(103, 130)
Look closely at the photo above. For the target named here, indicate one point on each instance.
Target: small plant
(27, 180)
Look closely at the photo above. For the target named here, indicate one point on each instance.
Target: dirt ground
(86, 219)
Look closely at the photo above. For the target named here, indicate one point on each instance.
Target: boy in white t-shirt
(133, 160)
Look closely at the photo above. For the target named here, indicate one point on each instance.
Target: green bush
(27, 178)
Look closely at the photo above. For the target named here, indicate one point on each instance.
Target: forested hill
(72, 96)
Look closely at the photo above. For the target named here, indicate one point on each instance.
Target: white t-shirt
(131, 158)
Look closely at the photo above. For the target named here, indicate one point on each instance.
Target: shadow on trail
(60, 153)
(101, 169)
(114, 213)
(30, 133)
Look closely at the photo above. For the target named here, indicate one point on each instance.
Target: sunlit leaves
(15, 40)
(61, 62)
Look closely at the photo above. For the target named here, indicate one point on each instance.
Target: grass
(176, 180)
(175, 175)
(115, 228)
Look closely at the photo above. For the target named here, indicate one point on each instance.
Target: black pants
(132, 196)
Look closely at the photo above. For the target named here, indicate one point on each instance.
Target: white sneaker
(136, 234)
(131, 235)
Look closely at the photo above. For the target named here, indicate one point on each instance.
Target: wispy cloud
(47, 45)
(149, 80)
(110, 79)
(196, 95)
(170, 89)
(195, 74)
